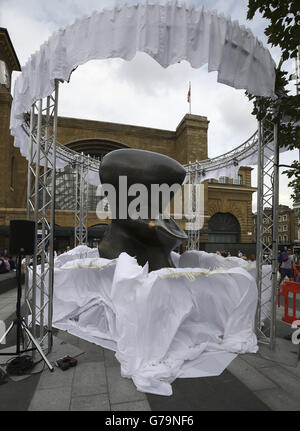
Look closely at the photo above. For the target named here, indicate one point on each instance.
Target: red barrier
(289, 286)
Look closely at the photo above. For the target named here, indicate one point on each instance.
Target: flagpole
(190, 98)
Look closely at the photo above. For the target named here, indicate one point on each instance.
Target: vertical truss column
(81, 200)
(41, 209)
(267, 226)
(192, 228)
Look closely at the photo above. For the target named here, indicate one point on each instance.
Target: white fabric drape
(169, 33)
(188, 321)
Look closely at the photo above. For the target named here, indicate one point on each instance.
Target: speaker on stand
(22, 239)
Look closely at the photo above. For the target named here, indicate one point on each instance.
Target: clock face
(4, 74)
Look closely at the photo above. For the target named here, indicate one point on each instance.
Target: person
(252, 257)
(240, 254)
(4, 253)
(4, 266)
(286, 265)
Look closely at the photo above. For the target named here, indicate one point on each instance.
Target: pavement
(264, 381)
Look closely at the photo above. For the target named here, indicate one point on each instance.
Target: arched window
(224, 228)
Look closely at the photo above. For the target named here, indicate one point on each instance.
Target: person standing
(286, 266)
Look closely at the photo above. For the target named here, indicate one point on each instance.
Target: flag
(189, 94)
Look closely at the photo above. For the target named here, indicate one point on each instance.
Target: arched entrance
(224, 228)
(95, 147)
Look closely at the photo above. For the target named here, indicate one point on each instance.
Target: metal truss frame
(246, 149)
(267, 209)
(265, 142)
(81, 200)
(193, 234)
(41, 209)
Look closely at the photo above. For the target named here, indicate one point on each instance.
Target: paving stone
(110, 358)
(68, 338)
(284, 379)
(248, 375)
(277, 399)
(55, 399)
(90, 403)
(293, 370)
(56, 379)
(89, 379)
(135, 406)
(257, 361)
(120, 389)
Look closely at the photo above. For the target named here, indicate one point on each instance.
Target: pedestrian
(286, 266)
(240, 254)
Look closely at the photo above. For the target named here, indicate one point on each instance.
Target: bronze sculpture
(151, 238)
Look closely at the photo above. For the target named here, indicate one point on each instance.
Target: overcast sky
(141, 92)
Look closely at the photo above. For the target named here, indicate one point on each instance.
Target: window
(223, 180)
(284, 218)
(238, 180)
(279, 228)
(279, 218)
(285, 238)
(279, 239)
(285, 228)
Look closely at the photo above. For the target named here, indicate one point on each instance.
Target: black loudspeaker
(21, 237)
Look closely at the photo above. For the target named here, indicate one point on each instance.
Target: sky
(141, 92)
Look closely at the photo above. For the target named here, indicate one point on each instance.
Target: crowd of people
(287, 261)
(240, 254)
(8, 263)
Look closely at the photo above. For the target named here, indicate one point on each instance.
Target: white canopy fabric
(169, 33)
(188, 321)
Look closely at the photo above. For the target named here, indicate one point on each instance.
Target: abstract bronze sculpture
(150, 238)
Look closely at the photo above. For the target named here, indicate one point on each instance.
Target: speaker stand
(22, 328)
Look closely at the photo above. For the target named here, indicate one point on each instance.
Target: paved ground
(252, 382)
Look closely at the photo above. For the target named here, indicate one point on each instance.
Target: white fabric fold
(175, 322)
